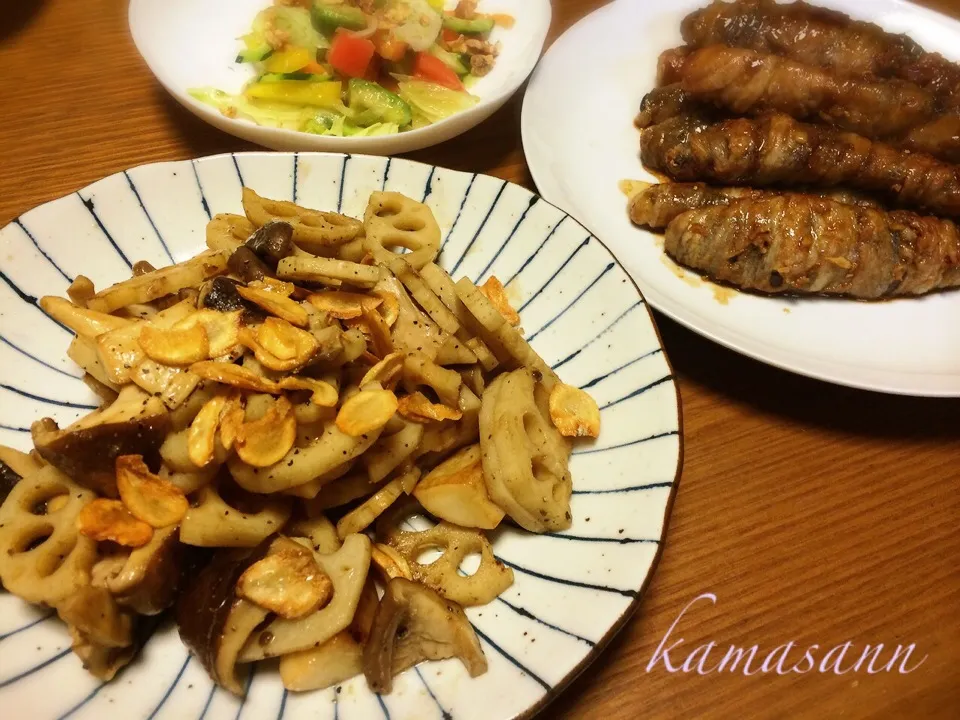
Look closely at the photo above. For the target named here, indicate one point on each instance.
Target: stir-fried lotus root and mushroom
(274, 411)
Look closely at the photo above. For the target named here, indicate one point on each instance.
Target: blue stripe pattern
(296, 170)
(19, 223)
(533, 201)
(536, 252)
(573, 302)
(466, 250)
(463, 204)
(29, 625)
(565, 581)
(443, 713)
(88, 204)
(92, 694)
(166, 695)
(630, 488)
(631, 443)
(513, 661)
(563, 266)
(48, 401)
(527, 614)
(599, 335)
(136, 194)
(35, 668)
(203, 197)
(37, 360)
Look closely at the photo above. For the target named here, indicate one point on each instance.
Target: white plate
(193, 43)
(573, 590)
(579, 140)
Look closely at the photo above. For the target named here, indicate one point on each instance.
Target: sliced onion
(368, 30)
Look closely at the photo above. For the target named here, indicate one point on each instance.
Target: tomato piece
(388, 47)
(432, 69)
(449, 36)
(350, 55)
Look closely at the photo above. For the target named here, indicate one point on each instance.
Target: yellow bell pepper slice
(436, 5)
(298, 92)
(288, 60)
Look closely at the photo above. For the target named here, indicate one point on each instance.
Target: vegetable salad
(360, 67)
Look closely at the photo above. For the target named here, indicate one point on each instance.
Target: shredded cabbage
(279, 115)
(435, 102)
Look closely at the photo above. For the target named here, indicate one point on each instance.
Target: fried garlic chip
(287, 582)
(574, 412)
(43, 558)
(490, 579)
(497, 294)
(264, 442)
(235, 376)
(343, 305)
(149, 498)
(175, 347)
(202, 435)
(323, 394)
(279, 346)
(386, 371)
(232, 417)
(366, 411)
(418, 407)
(222, 329)
(104, 519)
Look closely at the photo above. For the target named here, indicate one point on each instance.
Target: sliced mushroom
(135, 424)
(95, 613)
(101, 661)
(8, 479)
(221, 294)
(414, 624)
(214, 623)
(272, 242)
(147, 580)
(247, 266)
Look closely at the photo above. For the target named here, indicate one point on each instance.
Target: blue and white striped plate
(573, 590)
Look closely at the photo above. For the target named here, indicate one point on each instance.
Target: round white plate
(578, 151)
(573, 590)
(193, 43)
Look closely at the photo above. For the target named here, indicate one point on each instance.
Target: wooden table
(815, 514)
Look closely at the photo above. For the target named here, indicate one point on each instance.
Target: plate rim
(624, 617)
(877, 380)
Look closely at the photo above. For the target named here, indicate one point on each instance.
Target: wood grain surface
(815, 514)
